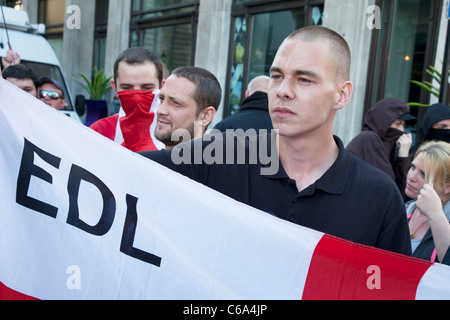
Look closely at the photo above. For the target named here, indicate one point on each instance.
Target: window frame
(139, 22)
(385, 40)
(248, 10)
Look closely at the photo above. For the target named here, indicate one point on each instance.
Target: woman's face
(416, 177)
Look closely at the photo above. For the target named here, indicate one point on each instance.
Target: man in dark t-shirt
(303, 173)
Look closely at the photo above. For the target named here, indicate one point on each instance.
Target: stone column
(32, 8)
(78, 42)
(118, 34)
(213, 42)
(349, 18)
(440, 51)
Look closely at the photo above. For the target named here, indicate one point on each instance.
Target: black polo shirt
(352, 200)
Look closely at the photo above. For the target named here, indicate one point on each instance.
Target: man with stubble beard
(190, 97)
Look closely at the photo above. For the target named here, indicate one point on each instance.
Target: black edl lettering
(129, 233)
(77, 174)
(29, 169)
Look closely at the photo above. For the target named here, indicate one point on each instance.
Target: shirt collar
(334, 180)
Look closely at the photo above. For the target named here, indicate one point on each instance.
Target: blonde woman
(428, 183)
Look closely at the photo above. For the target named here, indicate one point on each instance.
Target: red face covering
(136, 124)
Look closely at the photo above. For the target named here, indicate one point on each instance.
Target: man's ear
(344, 95)
(113, 85)
(207, 116)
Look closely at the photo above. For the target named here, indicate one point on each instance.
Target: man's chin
(165, 138)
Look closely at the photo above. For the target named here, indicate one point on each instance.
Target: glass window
(51, 13)
(167, 28)
(407, 48)
(237, 67)
(170, 7)
(158, 8)
(100, 52)
(271, 33)
(157, 4)
(176, 52)
(100, 30)
(16, 4)
(317, 15)
(254, 48)
(403, 51)
(57, 46)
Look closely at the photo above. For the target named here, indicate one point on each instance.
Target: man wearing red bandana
(138, 76)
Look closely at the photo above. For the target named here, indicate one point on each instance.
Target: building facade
(392, 41)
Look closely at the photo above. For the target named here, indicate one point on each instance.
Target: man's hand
(10, 59)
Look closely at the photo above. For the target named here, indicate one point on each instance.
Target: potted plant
(96, 106)
(428, 86)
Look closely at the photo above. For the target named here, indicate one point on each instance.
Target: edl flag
(83, 218)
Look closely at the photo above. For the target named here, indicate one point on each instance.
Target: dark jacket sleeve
(367, 146)
(182, 159)
(395, 234)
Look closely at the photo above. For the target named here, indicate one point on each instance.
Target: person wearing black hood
(383, 142)
(254, 113)
(435, 126)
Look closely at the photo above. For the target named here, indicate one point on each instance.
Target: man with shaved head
(254, 112)
(318, 184)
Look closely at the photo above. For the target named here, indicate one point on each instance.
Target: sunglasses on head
(50, 94)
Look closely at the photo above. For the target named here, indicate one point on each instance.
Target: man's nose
(162, 108)
(285, 90)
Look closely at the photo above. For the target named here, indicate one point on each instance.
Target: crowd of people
(381, 190)
(48, 90)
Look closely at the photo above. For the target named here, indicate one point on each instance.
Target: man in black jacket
(254, 113)
(317, 184)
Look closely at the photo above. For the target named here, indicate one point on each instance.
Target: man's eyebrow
(143, 84)
(305, 73)
(171, 97)
(275, 69)
(296, 72)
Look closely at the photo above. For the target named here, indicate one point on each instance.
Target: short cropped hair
(207, 88)
(21, 72)
(341, 53)
(139, 56)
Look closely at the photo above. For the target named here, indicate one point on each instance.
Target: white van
(34, 50)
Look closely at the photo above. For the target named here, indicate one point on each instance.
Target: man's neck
(307, 160)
